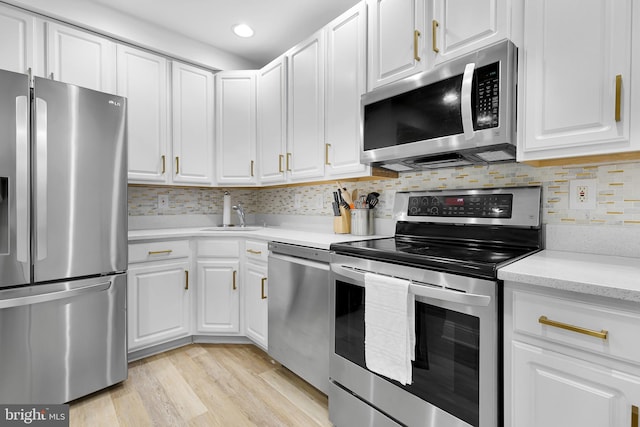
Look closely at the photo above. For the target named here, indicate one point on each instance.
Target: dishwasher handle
(48, 295)
(424, 290)
(300, 261)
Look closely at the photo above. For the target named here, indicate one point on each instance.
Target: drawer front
(257, 250)
(219, 248)
(578, 324)
(158, 251)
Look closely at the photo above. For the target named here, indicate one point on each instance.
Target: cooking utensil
(372, 199)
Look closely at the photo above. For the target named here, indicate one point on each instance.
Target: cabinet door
(396, 40)
(272, 120)
(462, 26)
(142, 78)
(553, 390)
(192, 125)
(255, 303)
(218, 297)
(80, 58)
(158, 303)
(305, 139)
(236, 127)
(17, 35)
(573, 52)
(346, 62)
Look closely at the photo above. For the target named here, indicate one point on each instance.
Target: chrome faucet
(240, 211)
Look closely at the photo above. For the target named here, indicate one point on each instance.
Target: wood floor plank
(205, 385)
(291, 390)
(96, 410)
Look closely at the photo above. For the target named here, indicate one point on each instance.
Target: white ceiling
(278, 24)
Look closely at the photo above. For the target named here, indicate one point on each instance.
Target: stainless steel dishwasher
(299, 311)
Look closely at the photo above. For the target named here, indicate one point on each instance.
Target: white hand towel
(389, 318)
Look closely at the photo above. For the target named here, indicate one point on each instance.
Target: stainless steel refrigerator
(63, 240)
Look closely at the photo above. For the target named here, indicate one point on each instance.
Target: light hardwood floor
(205, 385)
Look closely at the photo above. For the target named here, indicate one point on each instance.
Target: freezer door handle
(41, 179)
(22, 179)
(47, 295)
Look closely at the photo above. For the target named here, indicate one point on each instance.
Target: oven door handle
(439, 293)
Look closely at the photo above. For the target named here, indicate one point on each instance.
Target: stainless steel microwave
(462, 112)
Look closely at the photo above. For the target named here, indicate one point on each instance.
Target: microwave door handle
(41, 179)
(465, 101)
(434, 292)
(22, 179)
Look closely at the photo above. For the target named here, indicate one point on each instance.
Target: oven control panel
(462, 205)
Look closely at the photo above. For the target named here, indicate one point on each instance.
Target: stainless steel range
(448, 246)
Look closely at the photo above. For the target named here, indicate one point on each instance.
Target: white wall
(122, 27)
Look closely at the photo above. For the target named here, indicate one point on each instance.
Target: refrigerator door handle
(41, 179)
(47, 295)
(22, 179)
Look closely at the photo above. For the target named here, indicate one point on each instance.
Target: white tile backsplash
(617, 195)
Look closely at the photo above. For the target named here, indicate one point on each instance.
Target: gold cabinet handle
(326, 154)
(416, 35)
(166, 251)
(288, 161)
(235, 273)
(251, 251)
(252, 167)
(280, 160)
(434, 29)
(634, 416)
(262, 296)
(598, 334)
(177, 165)
(618, 96)
(186, 280)
(164, 164)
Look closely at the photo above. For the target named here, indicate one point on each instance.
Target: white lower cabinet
(256, 292)
(158, 303)
(555, 390)
(570, 359)
(218, 297)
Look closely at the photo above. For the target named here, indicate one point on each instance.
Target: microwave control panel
(487, 96)
(466, 205)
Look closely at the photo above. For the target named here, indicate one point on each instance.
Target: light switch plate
(583, 194)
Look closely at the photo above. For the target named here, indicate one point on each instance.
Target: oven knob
(434, 210)
(413, 211)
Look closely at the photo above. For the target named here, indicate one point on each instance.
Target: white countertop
(314, 239)
(602, 275)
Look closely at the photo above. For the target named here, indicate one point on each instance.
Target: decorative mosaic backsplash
(617, 195)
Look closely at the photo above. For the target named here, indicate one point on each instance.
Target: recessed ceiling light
(242, 30)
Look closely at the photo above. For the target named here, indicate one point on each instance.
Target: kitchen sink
(232, 228)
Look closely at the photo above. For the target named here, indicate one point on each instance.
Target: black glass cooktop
(468, 250)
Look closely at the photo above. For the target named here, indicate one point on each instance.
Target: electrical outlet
(582, 194)
(163, 202)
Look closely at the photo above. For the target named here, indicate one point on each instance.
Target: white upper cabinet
(575, 78)
(305, 137)
(346, 82)
(142, 78)
(80, 58)
(193, 138)
(272, 120)
(409, 36)
(396, 39)
(17, 35)
(236, 127)
(461, 26)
